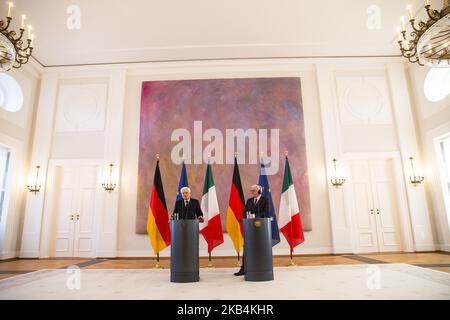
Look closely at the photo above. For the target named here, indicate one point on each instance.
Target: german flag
(158, 228)
(235, 212)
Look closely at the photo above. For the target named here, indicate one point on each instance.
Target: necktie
(255, 201)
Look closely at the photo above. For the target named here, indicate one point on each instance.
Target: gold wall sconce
(415, 179)
(336, 181)
(109, 185)
(35, 186)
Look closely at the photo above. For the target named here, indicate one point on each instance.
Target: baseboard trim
(342, 250)
(8, 255)
(29, 254)
(426, 247)
(107, 254)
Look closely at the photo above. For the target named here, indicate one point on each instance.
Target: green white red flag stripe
(289, 219)
(211, 228)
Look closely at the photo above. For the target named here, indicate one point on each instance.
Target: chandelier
(427, 43)
(14, 49)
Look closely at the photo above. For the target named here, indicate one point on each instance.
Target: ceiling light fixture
(14, 49)
(428, 41)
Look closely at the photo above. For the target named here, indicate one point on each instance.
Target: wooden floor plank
(447, 269)
(37, 264)
(412, 258)
(432, 260)
(6, 276)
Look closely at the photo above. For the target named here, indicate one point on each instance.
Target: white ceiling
(115, 31)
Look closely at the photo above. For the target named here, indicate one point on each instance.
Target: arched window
(437, 84)
(11, 96)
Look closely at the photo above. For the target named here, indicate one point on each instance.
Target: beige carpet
(383, 281)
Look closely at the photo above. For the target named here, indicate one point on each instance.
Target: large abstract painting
(192, 119)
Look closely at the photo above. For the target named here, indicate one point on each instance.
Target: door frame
(9, 223)
(439, 204)
(50, 197)
(404, 217)
(6, 207)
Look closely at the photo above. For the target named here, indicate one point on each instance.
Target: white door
(364, 218)
(386, 205)
(77, 204)
(376, 209)
(65, 206)
(84, 241)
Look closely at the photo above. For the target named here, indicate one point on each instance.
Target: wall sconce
(34, 186)
(109, 185)
(336, 181)
(415, 179)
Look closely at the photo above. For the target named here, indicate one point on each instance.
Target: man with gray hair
(188, 208)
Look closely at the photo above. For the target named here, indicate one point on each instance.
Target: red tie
(256, 200)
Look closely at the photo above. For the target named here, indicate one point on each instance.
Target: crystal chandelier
(427, 43)
(14, 49)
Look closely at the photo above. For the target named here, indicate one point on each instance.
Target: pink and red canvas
(259, 103)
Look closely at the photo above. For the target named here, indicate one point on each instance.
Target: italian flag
(211, 229)
(289, 215)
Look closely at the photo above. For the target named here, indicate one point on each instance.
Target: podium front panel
(258, 249)
(184, 254)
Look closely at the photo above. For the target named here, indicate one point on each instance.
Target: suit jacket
(191, 211)
(260, 210)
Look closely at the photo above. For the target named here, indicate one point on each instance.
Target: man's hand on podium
(200, 219)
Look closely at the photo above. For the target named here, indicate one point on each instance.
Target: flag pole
(292, 263)
(157, 265)
(238, 264)
(210, 265)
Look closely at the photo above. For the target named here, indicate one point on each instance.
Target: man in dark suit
(257, 207)
(188, 208)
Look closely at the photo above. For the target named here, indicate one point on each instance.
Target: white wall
(433, 121)
(15, 134)
(317, 241)
(351, 107)
(366, 113)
